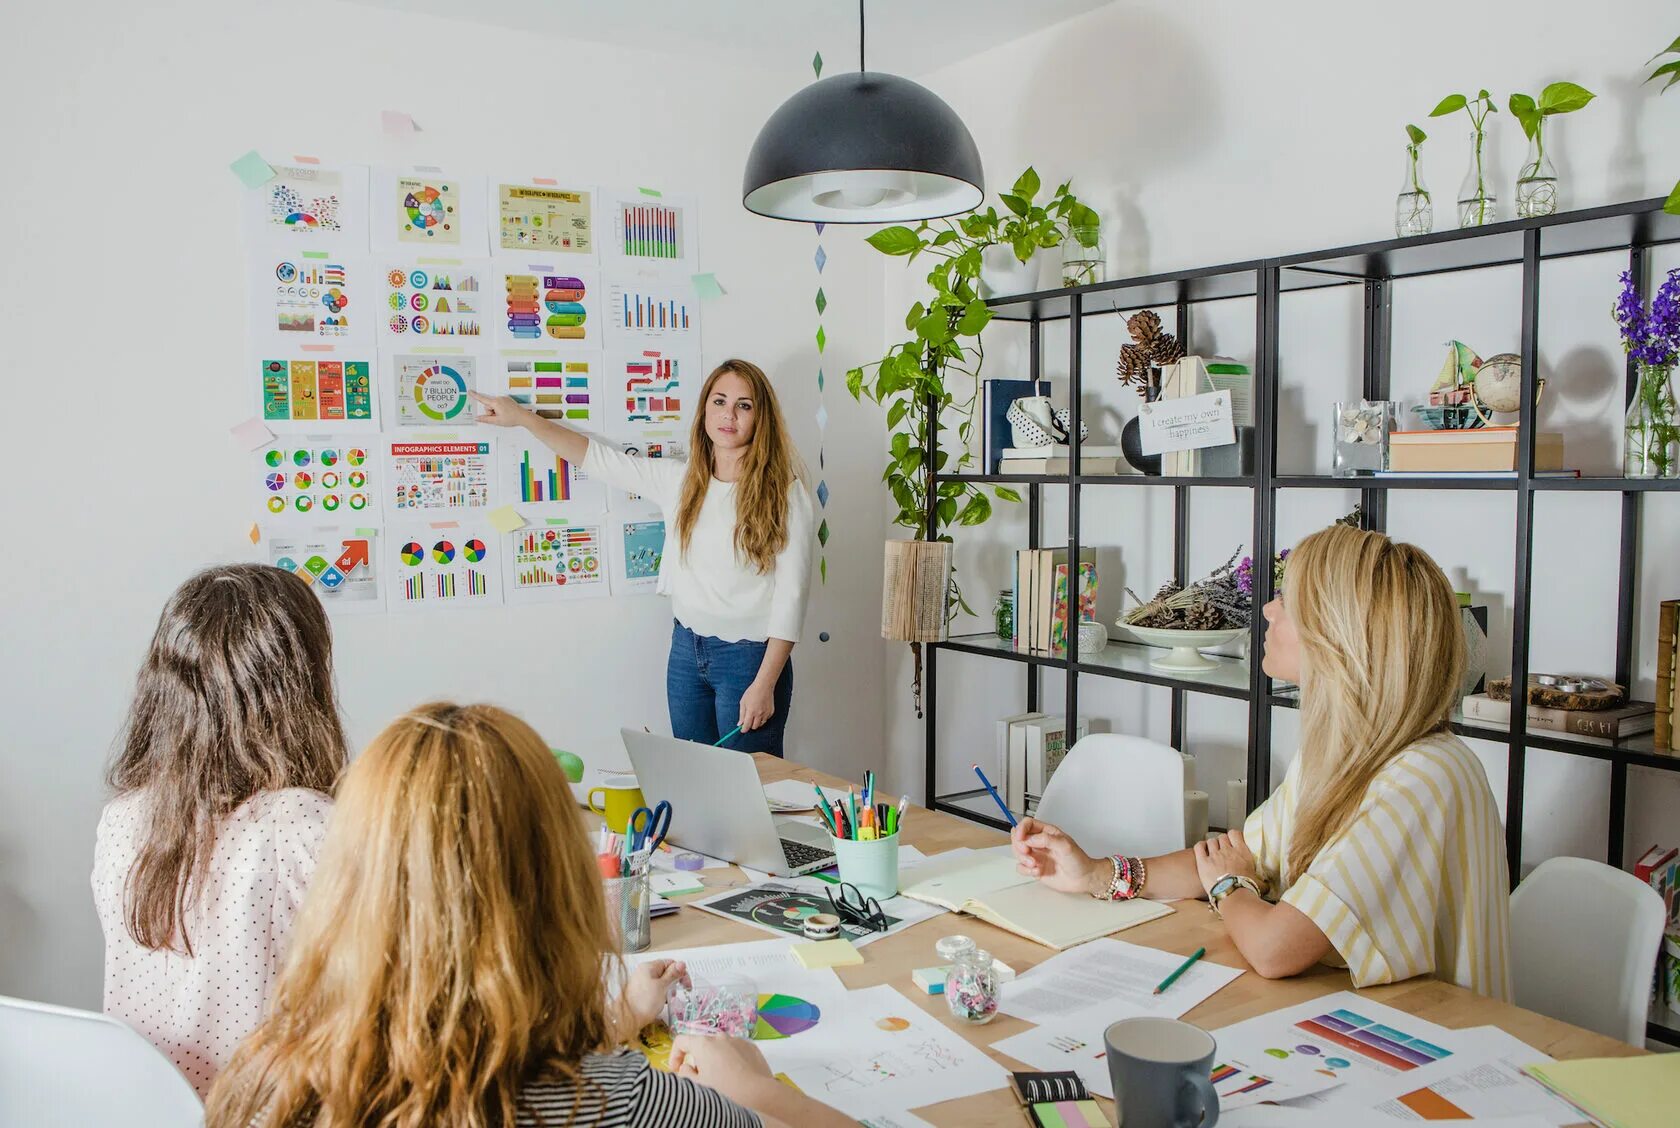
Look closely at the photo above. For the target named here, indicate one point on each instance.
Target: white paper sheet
(766, 964)
(428, 300)
(1483, 1078)
(1118, 977)
(556, 558)
(1072, 1043)
(312, 206)
(796, 795)
(304, 295)
(543, 214)
(650, 390)
(425, 209)
(317, 478)
(430, 389)
(637, 230)
(340, 564)
(638, 548)
(309, 388)
(437, 476)
(435, 565)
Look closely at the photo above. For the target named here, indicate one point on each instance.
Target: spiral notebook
(1057, 1100)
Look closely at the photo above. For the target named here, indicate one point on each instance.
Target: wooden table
(891, 960)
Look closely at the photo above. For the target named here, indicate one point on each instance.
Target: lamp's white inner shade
(868, 188)
(864, 196)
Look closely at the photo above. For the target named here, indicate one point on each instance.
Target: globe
(1499, 382)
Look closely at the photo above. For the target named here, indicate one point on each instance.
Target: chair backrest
(1584, 939)
(63, 1066)
(1118, 794)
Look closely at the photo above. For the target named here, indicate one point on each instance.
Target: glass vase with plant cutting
(1537, 179)
(1651, 337)
(1475, 202)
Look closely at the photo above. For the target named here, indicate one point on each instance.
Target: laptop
(718, 806)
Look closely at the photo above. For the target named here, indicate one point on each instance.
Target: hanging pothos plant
(939, 367)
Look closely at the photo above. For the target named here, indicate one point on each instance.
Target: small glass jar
(948, 948)
(1361, 430)
(1083, 258)
(1414, 213)
(1003, 615)
(971, 987)
(1537, 179)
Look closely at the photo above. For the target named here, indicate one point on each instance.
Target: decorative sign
(1188, 423)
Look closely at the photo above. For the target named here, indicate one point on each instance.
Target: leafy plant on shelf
(1478, 109)
(1672, 70)
(929, 383)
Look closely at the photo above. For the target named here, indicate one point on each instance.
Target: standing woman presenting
(737, 562)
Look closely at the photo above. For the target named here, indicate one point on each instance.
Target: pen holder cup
(869, 864)
(628, 900)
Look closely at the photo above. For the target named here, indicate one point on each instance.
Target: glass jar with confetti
(971, 987)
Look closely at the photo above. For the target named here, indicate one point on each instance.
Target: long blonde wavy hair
(1382, 665)
(767, 472)
(452, 946)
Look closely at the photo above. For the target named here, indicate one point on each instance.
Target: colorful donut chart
(440, 393)
(412, 554)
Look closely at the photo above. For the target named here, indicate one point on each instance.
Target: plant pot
(1002, 274)
(914, 590)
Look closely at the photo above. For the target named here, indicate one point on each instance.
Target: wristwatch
(1227, 885)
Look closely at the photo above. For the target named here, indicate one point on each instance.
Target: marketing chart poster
(438, 565)
(339, 563)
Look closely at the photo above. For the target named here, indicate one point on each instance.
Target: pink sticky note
(252, 433)
(395, 121)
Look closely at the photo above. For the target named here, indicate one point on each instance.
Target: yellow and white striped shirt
(1417, 883)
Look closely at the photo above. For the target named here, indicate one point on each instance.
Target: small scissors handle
(652, 830)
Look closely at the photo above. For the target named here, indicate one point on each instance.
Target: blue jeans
(704, 680)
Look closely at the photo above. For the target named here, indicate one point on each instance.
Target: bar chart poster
(539, 482)
(641, 307)
(563, 386)
(651, 389)
(339, 563)
(546, 303)
(434, 565)
(651, 230)
(556, 559)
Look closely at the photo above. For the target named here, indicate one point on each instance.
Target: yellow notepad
(1628, 1092)
(827, 953)
(993, 891)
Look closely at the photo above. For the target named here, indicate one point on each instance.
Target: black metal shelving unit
(1375, 267)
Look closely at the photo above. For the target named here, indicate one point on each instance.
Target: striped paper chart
(650, 230)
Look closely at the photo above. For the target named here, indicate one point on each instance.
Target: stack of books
(1659, 868)
(996, 396)
(1030, 747)
(1058, 459)
(1047, 612)
(1630, 719)
(1486, 450)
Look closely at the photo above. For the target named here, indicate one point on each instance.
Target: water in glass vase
(1651, 433)
(1414, 214)
(1537, 179)
(1475, 201)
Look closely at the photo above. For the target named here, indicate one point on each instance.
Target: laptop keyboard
(799, 854)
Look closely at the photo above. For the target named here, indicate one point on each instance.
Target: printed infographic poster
(310, 205)
(437, 565)
(318, 478)
(422, 208)
(431, 388)
(650, 391)
(640, 548)
(653, 308)
(543, 215)
(540, 482)
(547, 302)
(315, 387)
(561, 386)
(442, 476)
(305, 295)
(339, 563)
(556, 559)
(656, 443)
(656, 231)
(427, 298)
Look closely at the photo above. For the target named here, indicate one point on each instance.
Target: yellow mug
(617, 805)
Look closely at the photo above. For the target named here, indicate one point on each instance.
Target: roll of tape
(822, 926)
(690, 862)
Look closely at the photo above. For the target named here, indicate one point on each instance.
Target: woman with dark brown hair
(233, 742)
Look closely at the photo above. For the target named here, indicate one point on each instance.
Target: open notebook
(984, 884)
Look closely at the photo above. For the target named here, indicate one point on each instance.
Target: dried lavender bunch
(1216, 602)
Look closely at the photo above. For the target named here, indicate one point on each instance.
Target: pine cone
(1165, 350)
(1204, 617)
(1133, 367)
(1144, 326)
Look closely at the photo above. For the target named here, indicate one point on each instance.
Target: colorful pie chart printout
(339, 563)
(437, 565)
(316, 477)
(428, 298)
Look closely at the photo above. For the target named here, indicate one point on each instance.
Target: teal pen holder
(871, 865)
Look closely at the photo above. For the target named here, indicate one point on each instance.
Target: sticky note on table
(506, 519)
(252, 433)
(677, 883)
(706, 287)
(827, 953)
(252, 170)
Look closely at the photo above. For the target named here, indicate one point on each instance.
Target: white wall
(123, 299)
(1208, 132)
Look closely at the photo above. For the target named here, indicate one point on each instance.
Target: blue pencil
(726, 736)
(998, 799)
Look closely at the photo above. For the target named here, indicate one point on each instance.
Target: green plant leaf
(946, 510)
(1672, 206)
(1027, 185)
(1082, 216)
(1670, 69)
(1525, 111)
(1014, 203)
(1482, 96)
(1564, 98)
(911, 462)
(1006, 493)
(915, 315)
(895, 241)
(974, 318)
(979, 508)
(1417, 135)
(1452, 103)
(900, 444)
(854, 382)
(1671, 49)
(896, 413)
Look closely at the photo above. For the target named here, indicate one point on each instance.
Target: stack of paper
(1630, 1092)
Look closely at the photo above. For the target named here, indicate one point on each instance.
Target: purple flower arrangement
(1651, 337)
(1245, 574)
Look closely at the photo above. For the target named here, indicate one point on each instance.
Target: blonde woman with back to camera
(1382, 847)
(450, 966)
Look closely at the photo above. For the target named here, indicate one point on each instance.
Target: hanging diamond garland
(822, 301)
(822, 417)
(822, 258)
(822, 494)
(816, 64)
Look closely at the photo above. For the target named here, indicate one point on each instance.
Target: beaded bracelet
(1128, 879)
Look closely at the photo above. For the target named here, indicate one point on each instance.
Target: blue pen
(998, 799)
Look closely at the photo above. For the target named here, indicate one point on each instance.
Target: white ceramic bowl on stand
(1184, 656)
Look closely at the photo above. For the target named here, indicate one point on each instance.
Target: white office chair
(1118, 794)
(71, 1067)
(1584, 940)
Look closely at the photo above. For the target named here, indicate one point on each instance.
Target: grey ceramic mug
(1160, 1068)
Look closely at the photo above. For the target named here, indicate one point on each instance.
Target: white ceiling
(905, 36)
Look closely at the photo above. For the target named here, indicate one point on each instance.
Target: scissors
(652, 830)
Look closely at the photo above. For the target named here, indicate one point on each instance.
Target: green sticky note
(650, 191)
(252, 170)
(367, 532)
(706, 287)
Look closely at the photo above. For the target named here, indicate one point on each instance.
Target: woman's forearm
(1172, 877)
(787, 1105)
(777, 651)
(1276, 940)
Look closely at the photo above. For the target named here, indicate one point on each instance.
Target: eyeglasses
(854, 908)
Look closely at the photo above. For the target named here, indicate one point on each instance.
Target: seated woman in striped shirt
(1382, 848)
(451, 960)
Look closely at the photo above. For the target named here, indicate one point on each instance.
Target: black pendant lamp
(863, 148)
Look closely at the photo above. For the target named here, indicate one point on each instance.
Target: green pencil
(1181, 969)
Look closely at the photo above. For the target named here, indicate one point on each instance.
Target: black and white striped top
(622, 1091)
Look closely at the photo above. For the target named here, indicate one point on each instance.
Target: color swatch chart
(316, 480)
(441, 475)
(554, 389)
(652, 389)
(1379, 1045)
(652, 231)
(433, 300)
(334, 391)
(443, 566)
(546, 307)
(562, 556)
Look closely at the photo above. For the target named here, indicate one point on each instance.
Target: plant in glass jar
(1537, 179)
(1475, 203)
(1414, 214)
(1651, 432)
